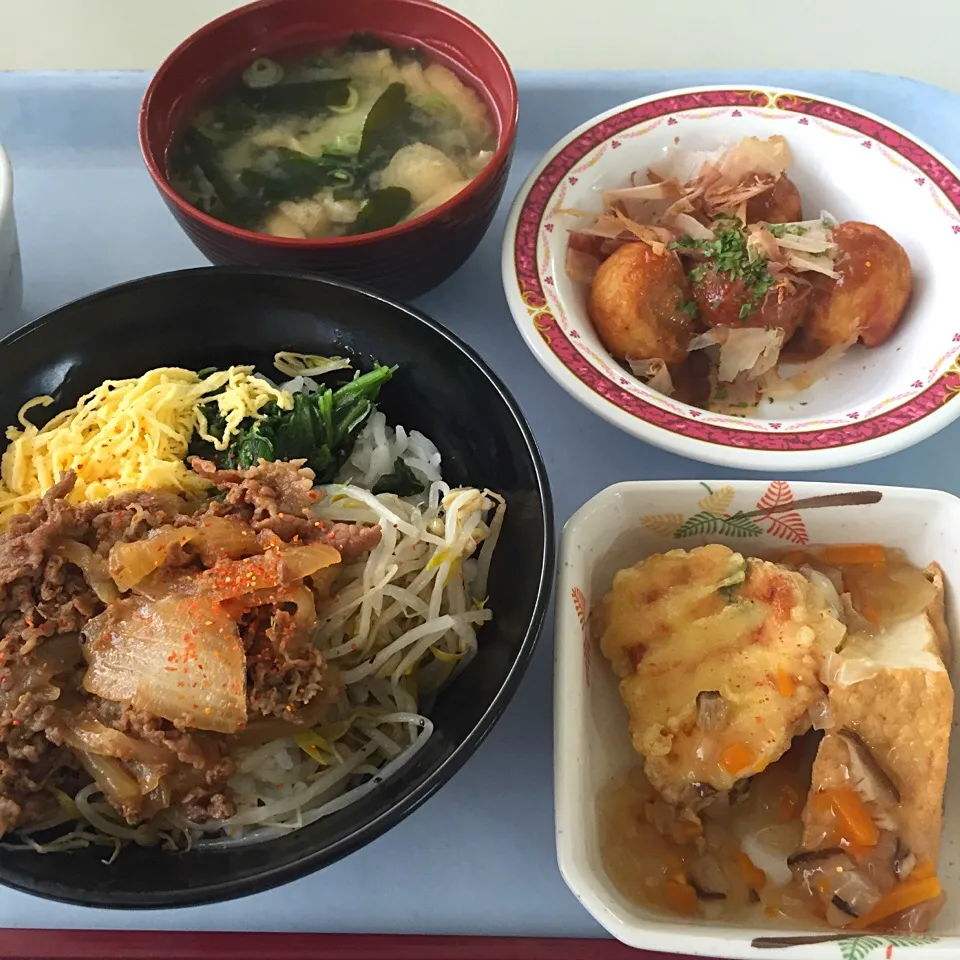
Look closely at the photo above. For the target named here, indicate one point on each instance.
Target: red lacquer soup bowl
(405, 260)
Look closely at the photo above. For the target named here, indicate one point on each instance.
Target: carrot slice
(752, 875)
(786, 685)
(923, 870)
(795, 557)
(853, 553)
(682, 898)
(908, 894)
(854, 820)
(736, 757)
(823, 815)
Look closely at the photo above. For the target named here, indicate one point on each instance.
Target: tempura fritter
(720, 657)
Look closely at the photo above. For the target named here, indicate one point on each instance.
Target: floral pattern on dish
(879, 419)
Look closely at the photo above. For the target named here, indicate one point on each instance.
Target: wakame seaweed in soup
(355, 139)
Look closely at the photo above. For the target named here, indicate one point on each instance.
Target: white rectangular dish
(625, 523)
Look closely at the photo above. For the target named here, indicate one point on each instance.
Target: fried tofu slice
(891, 708)
(936, 613)
(719, 658)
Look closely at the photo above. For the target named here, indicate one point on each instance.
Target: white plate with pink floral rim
(849, 162)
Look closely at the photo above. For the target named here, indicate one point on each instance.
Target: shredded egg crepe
(128, 435)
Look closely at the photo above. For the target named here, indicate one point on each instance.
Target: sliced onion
(827, 587)
(87, 734)
(236, 578)
(224, 537)
(814, 264)
(821, 717)
(92, 566)
(129, 563)
(178, 657)
(855, 891)
(116, 784)
(712, 710)
(51, 657)
(769, 848)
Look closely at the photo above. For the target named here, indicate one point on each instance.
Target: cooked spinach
(402, 481)
(321, 428)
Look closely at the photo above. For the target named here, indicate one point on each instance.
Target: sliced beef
(31, 760)
(131, 517)
(277, 497)
(352, 540)
(42, 595)
(56, 599)
(29, 537)
(207, 797)
(266, 490)
(30, 765)
(202, 804)
(199, 749)
(284, 669)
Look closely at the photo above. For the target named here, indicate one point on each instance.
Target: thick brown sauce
(651, 870)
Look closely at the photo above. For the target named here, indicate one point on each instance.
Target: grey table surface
(479, 857)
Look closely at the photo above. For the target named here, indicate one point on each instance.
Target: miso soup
(353, 139)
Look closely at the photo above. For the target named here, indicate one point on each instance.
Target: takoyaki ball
(723, 301)
(781, 204)
(868, 299)
(637, 304)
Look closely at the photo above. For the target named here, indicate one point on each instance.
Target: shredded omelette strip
(129, 435)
